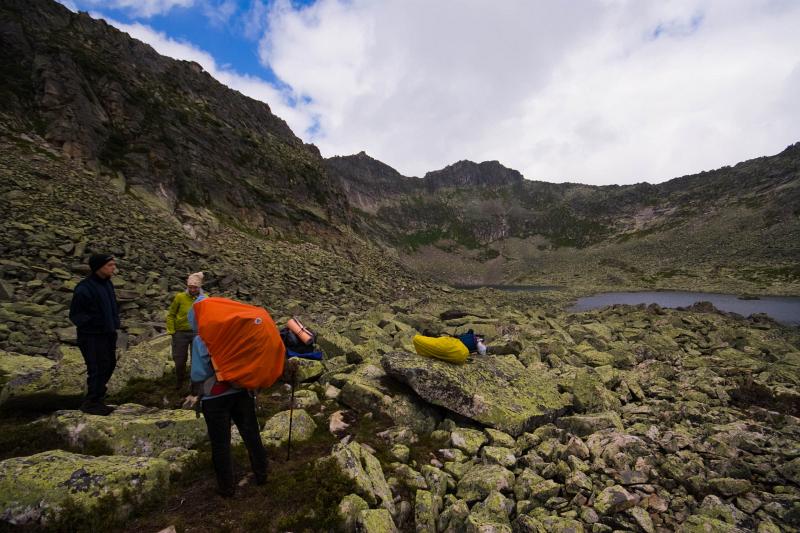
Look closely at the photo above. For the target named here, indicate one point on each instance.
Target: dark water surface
(784, 309)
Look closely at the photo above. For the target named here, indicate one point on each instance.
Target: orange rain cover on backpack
(243, 341)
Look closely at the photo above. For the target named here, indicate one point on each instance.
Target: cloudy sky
(592, 91)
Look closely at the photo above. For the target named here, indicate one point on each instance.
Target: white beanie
(195, 279)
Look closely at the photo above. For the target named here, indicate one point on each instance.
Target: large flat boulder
(33, 382)
(37, 489)
(38, 383)
(498, 392)
(131, 430)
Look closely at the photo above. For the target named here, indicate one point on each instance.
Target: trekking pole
(291, 412)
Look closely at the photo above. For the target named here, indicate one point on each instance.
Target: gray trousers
(181, 345)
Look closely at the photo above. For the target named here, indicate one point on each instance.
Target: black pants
(100, 355)
(218, 413)
(181, 346)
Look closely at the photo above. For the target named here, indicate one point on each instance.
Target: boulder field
(624, 419)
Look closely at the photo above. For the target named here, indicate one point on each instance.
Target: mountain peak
(470, 174)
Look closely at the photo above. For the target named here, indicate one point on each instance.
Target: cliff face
(165, 125)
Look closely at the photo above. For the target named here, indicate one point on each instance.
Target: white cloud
(254, 87)
(220, 13)
(599, 91)
(141, 8)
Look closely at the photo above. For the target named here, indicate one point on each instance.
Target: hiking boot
(96, 408)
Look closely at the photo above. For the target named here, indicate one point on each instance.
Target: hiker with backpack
(178, 325)
(221, 403)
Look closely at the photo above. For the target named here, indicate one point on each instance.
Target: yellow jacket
(177, 315)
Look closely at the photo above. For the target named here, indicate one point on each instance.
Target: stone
(35, 489)
(358, 464)
(490, 515)
(583, 425)
(424, 512)
(151, 359)
(467, 440)
(729, 486)
(308, 370)
(349, 509)
(613, 500)
(375, 521)
(643, 519)
(400, 452)
(31, 382)
(480, 480)
(495, 391)
(498, 456)
(499, 438)
(303, 399)
(131, 429)
(276, 430)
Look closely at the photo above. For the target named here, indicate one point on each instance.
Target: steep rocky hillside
(56, 212)
(164, 126)
(735, 228)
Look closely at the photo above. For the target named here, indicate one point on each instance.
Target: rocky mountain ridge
(164, 126)
(502, 228)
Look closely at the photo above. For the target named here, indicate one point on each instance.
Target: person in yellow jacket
(179, 327)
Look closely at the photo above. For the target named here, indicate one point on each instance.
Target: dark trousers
(100, 355)
(218, 412)
(181, 344)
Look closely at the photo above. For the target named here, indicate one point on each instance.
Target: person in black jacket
(95, 313)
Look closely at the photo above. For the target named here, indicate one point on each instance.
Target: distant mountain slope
(165, 125)
(478, 223)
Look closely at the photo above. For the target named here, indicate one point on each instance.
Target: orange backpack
(243, 341)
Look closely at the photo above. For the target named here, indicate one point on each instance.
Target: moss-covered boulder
(468, 440)
(147, 360)
(358, 464)
(349, 509)
(34, 382)
(375, 521)
(480, 480)
(496, 391)
(582, 425)
(131, 429)
(276, 429)
(490, 515)
(41, 488)
(367, 390)
(614, 499)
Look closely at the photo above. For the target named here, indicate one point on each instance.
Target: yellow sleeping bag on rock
(448, 349)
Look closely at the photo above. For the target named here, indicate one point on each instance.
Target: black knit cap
(97, 261)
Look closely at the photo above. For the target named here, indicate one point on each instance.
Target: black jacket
(94, 307)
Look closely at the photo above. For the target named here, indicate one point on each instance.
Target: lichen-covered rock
(131, 429)
(303, 399)
(36, 489)
(496, 391)
(590, 393)
(179, 459)
(401, 452)
(499, 438)
(480, 480)
(706, 524)
(424, 512)
(308, 370)
(454, 515)
(490, 515)
(364, 391)
(276, 429)
(498, 456)
(375, 521)
(31, 382)
(729, 486)
(356, 463)
(583, 425)
(614, 499)
(467, 440)
(349, 509)
(148, 360)
(791, 470)
(560, 524)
